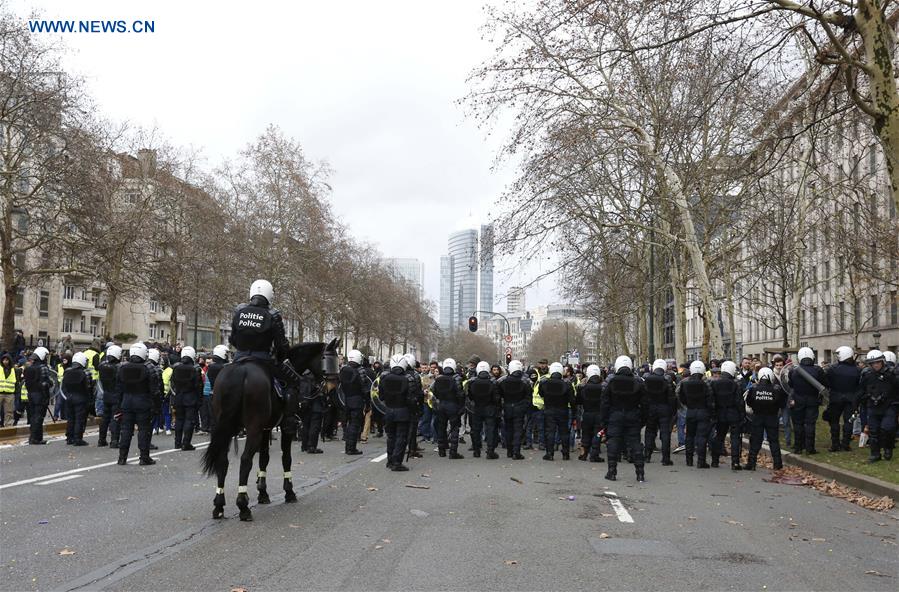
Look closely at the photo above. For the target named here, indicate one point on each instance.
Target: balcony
(81, 304)
(164, 317)
(80, 338)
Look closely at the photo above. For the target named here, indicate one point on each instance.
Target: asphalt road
(358, 526)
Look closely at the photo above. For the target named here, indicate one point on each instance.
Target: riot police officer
(623, 414)
(766, 398)
(219, 360)
(881, 396)
(417, 392)
(187, 394)
(844, 378)
(482, 392)
(447, 388)
(139, 385)
(515, 390)
(112, 396)
(589, 397)
(355, 386)
(76, 387)
(558, 399)
(730, 411)
(38, 384)
(805, 401)
(695, 394)
(257, 330)
(393, 390)
(661, 407)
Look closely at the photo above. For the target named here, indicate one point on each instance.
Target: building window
(875, 311)
(20, 301)
(828, 327)
(894, 308)
(827, 275)
(44, 306)
(68, 292)
(67, 324)
(857, 321)
(153, 330)
(814, 320)
(802, 325)
(842, 325)
(154, 306)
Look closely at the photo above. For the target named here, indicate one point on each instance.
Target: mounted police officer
(112, 396)
(76, 387)
(355, 386)
(695, 394)
(805, 401)
(393, 390)
(844, 378)
(589, 397)
(447, 388)
(187, 394)
(257, 331)
(623, 414)
(515, 391)
(881, 395)
(661, 407)
(38, 384)
(558, 399)
(730, 411)
(484, 396)
(139, 385)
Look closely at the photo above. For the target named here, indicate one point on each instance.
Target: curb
(864, 483)
(23, 431)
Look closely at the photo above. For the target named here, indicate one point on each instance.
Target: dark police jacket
(483, 394)
(804, 393)
(448, 390)
(108, 370)
(844, 380)
(186, 383)
(589, 395)
(515, 389)
(77, 384)
(355, 384)
(766, 397)
(257, 329)
(139, 385)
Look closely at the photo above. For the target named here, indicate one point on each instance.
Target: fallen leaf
(510, 562)
(818, 540)
(606, 515)
(373, 489)
(385, 541)
(379, 546)
(604, 535)
(71, 497)
(294, 525)
(691, 517)
(67, 552)
(425, 475)
(517, 480)
(414, 486)
(874, 572)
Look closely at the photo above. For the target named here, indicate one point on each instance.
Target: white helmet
(766, 373)
(398, 361)
(41, 352)
(410, 360)
(515, 366)
(139, 350)
(697, 367)
(114, 351)
(623, 362)
(262, 288)
(153, 355)
(806, 353)
(875, 355)
(220, 351)
(556, 368)
(592, 370)
(80, 358)
(482, 367)
(354, 356)
(189, 352)
(729, 367)
(660, 365)
(844, 352)
(449, 363)
(890, 357)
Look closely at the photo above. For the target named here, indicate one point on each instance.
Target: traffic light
(508, 359)
(472, 323)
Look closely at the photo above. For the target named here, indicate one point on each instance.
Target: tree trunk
(706, 335)
(729, 304)
(111, 297)
(680, 318)
(173, 325)
(878, 38)
(9, 310)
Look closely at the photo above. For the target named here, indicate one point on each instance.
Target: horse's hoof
(263, 498)
(218, 513)
(290, 497)
(246, 515)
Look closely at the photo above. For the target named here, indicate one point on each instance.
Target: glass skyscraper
(466, 277)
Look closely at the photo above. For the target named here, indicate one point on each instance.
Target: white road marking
(92, 467)
(620, 510)
(51, 481)
(379, 458)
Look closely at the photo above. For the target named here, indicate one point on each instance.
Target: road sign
(508, 350)
(508, 338)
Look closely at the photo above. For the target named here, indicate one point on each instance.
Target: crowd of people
(631, 410)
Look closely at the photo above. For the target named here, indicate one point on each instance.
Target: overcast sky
(369, 87)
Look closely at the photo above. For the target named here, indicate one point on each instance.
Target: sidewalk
(22, 431)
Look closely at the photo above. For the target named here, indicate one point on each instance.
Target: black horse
(243, 399)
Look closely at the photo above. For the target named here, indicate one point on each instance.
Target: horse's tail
(227, 425)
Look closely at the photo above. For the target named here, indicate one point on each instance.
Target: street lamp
(876, 337)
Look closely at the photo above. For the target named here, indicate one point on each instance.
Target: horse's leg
(221, 471)
(251, 446)
(288, 429)
(263, 465)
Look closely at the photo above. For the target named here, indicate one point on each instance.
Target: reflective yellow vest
(92, 363)
(166, 379)
(536, 399)
(8, 382)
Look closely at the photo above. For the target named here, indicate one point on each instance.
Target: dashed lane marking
(620, 510)
(59, 480)
(379, 458)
